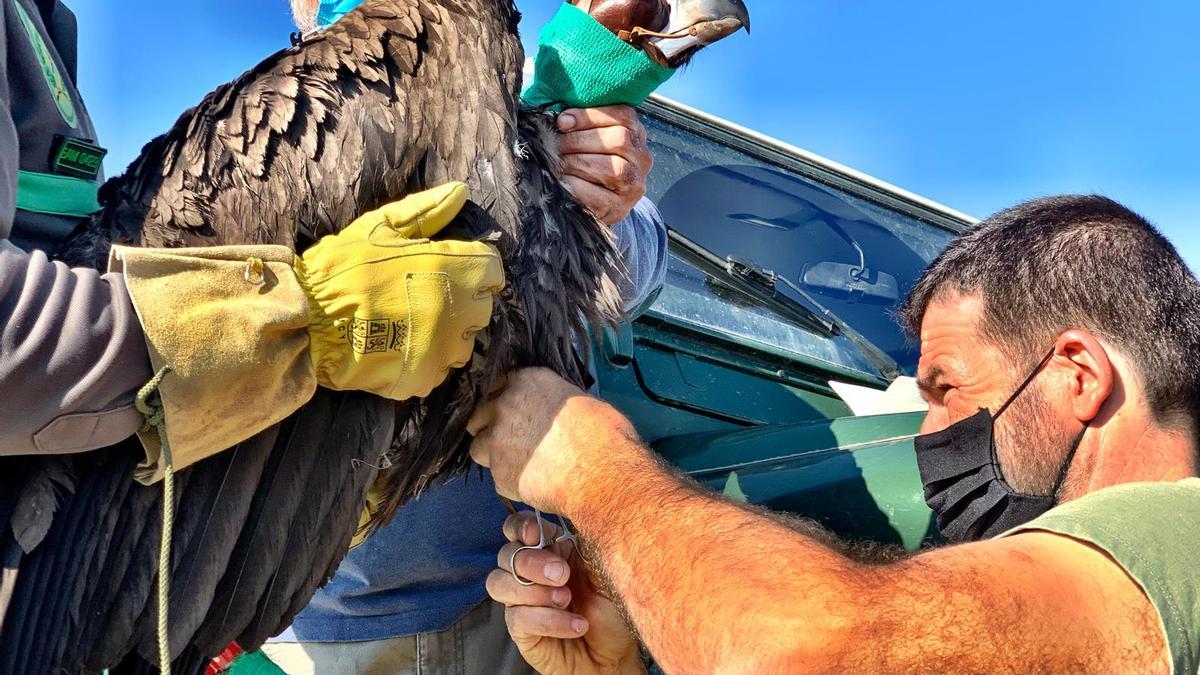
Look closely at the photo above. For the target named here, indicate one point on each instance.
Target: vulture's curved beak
(695, 24)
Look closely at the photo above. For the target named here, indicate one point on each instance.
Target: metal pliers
(564, 535)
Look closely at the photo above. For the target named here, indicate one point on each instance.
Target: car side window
(850, 256)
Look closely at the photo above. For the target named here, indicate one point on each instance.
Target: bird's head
(670, 31)
(695, 24)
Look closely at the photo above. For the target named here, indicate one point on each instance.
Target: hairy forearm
(710, 585)
(714, 586)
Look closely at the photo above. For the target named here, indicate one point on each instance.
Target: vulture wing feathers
(399, 95)
(296, 148)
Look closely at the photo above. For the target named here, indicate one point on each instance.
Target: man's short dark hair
(1086, 262)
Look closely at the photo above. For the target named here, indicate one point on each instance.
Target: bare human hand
(605, 159)
(561, 624)
(543, 436)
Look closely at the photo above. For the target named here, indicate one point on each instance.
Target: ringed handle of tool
(512, 565)
(542, 543)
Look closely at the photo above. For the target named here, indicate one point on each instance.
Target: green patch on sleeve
(57, 195)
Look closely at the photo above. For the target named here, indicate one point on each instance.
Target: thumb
(482, 418)
(421, 215)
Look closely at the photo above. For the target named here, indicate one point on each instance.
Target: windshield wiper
(782, 296)
(761, 284)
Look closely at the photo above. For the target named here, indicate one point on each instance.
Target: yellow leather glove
(390, 311)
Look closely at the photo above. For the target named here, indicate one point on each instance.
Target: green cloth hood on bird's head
(579, 64)
(582, 64)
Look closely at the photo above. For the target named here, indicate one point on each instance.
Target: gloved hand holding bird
(395, 98)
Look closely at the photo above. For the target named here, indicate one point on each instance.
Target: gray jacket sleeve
(72, 354)
(642, 243)
(72, 357)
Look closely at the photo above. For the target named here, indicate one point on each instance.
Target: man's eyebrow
(928, 382)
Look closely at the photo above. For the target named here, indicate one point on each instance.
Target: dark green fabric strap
(56, 195)
(581, 64)
(1150, 530)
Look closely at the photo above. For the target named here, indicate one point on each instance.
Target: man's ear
(1089, 372)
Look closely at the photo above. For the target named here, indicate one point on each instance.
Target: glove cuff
(324, 334)
(232, 323)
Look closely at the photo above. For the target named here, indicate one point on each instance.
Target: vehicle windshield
(853, 257)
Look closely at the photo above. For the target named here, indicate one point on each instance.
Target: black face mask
(964, 484)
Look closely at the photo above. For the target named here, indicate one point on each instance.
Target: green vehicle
(784, 273)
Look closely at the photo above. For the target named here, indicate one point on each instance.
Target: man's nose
(937, 419)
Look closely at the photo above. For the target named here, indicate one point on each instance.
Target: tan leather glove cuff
(232, 323)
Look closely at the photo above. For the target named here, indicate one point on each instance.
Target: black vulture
(398, 96)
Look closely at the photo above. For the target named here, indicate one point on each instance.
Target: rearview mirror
(851, 283)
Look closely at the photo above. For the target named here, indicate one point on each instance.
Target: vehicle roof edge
(813, 159)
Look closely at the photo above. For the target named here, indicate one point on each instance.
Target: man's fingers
(578, 119)
(499, 387)
(481, 451)
(623, 141)
(482, 418)
(535, 622)
(519, 526)
(539, 566)
(514, 525)
(615, 173)
(505, 589)
(593, 195)
(523, 527)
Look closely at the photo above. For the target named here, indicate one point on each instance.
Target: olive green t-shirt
(1153, 531)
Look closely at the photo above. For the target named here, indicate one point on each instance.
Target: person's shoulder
(1148, 529)
(1130, 515)
(1132, 503)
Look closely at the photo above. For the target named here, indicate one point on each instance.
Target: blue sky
(974, 104)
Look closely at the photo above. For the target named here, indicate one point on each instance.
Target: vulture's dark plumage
(398, 96)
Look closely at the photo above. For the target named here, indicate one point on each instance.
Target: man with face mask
(1059, 348)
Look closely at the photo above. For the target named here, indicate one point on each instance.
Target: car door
(783, 277)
